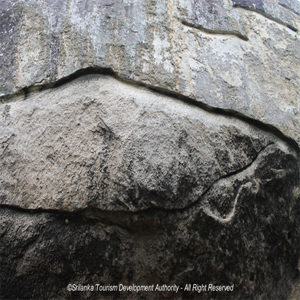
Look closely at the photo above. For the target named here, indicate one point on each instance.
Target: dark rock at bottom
(255, 255)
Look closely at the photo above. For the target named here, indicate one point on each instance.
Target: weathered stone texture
(149, 142)
(99, 142)
(257, 251)
(213, 51)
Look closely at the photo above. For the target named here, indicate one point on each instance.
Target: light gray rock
(98, 142)
(149, 142)
(235, 55)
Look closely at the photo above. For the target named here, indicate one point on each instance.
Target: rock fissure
(148, 143)
(154, 56)
(215, 215)
(188, 100)
(268, 16)
(219, 32)
(289, 8)
(144, 211)
(166, 158)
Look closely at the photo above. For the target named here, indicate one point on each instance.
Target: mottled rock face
(149, 142)
(102, 143)
(237, 55)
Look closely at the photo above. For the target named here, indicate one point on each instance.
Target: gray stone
(256, 250)
(102, 143)
(112, 181)
(149, 142)
(234, 55)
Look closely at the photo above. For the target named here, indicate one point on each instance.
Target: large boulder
(149, 145)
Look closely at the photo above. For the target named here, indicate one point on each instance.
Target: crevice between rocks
(289, 8)
(129, 219)
(228, 175)
(268, 16)
(162, 91)
(221, 32)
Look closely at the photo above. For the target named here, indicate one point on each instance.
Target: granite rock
(98, 142)
(234, 55)
(103, 181)
(149, 143)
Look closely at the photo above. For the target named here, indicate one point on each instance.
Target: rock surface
(238, 55)
(97, 142)
(149, 143)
